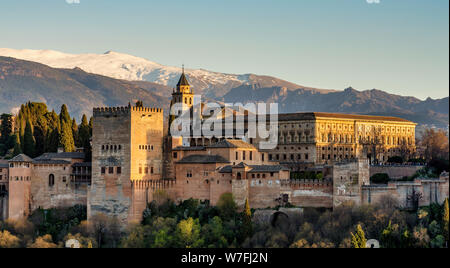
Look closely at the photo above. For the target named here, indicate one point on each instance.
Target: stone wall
(62, 194)
(348, 178)
(395, 172)
(110, 194)
(431, 191)
(309, 193)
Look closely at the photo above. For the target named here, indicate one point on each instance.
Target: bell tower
(183, 95)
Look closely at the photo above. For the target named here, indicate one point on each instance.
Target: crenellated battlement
(111, 111)
(147, 110)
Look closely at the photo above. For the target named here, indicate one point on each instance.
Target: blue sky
(400, 46)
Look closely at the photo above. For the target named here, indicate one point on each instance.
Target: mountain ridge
(22, 81)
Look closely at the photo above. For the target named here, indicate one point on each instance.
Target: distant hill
(127, 67)
(21, 81)
(373, 102)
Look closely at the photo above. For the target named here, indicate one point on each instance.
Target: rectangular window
(151, 170)
(237, 155)
(243, 155)
(111, 170)
(103, 170)
(306, 156)
(146, 170)
(175, 155)
(140, 170)
(119, 170)
(270, 157)
(262, 157)
(251, 156)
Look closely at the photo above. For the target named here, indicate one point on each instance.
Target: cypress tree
(17, 147)
(66, 138)
(5, 128)
(247, 221)
(75, 133)
(53, 133)
(359, 239)
(28, 141)
(64, 116)
(85, 137)
(91, 124)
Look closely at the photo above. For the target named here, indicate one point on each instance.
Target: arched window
(51, 180)
(239, 176)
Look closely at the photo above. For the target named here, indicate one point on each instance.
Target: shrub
(380, 178)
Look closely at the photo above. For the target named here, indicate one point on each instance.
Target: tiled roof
(83, 164)
(267, 168)
(183, 80)
(73, 155)
(203, 159)
(50, 162)
(254, 168)
(21, 158)
(185, 148)
(229, 143)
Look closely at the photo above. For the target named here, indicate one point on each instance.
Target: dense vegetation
(196, 224)
(38, 131)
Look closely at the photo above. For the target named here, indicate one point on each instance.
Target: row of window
(293, 148)
(146, 147)
(262, 175)
(146, 170)
(21, 178)
(336, 149)
(335, 157)
(19, 165)
(111, 170)
(244, 155)
(109, 147)
(291, 157)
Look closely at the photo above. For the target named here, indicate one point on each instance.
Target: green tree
(445, 219)
(29, 145)
(359, 239)
(66, 138)
(43, 242)
(7, 240)
(188, 233)
(84, 137)
(17, 146)
(247, 228)
(64, 115)
(6, 127)
(227, 207)
(75, 133)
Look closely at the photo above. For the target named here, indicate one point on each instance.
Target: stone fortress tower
(127, 155)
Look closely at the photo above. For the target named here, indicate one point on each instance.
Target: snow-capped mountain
(128, 67)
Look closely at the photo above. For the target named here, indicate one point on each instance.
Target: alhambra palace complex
(133, 159)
